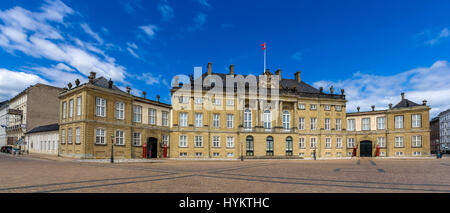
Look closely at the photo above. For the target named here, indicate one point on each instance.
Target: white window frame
(165, 140)
(137, 139)
(416, 141)
(63, 136)
(69, 136)
(399, 123)
(100, 107)
(165, 118)
(198, 119)
(267, 115)
(351, 124)
(327, 124)
(350, 142)
(183, 141)
(230, 142)
(77, 135)
(198, 100)
(301, 123)
(328, 143)
(230, 102)
(313, 107)
(100, 138)
(247, 119)
(327, 107)
(216, 141)
(381, 123)
(302, 143)
(286, 119)
(313, 123)
(198, 141)
(338, 108)
(137, 114)
(184, 119)
(338, 124)
(216, 120)
(313, 142)
(399, 143)
(365, 126)
(301, 106)
(338, 143)
(120, 110)
(71, 108)
(381, 142)
(64, 110)
(120, 138)
(152, 116)
(416, 121)
(230, 121)
(79, 101)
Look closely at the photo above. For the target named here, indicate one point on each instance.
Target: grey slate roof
(444, 112)
(46, 128)
(103, 82)
(405, 103)
(287, 86)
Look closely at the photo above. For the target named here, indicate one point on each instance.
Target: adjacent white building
(43, 139)
(444, 128)
(3, 123)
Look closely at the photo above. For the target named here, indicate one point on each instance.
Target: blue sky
(373, 49)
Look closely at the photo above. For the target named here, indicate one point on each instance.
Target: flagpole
(265, 49)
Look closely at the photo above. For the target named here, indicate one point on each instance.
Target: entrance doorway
(152, 148)
(366, 149)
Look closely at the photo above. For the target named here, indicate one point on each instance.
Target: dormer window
(327, 107)
(313, 107)
(338, 108)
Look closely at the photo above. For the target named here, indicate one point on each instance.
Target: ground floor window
(230, 154)
(250, 146)
(216, 154)
(136, 139)
(100, 136)
(269, 147)
(417, 153)
(289, 146)
(183, 154)
(198, 154)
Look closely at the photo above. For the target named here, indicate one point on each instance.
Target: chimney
(390, 106)
(424, 102)
(232, 69)
(92, 77)
(209, 68)
(143, 94)
(128, 90)
(342, 91)
(77, 82)
(321, 90)
(110, 84)
(278, 72)
(358, 108)
(373, 108)
(298, 77)
(157, 97)
(175, 83)
(403, 96)
(331, 90)
(69, 85)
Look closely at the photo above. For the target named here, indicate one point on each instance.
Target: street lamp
(112, 148)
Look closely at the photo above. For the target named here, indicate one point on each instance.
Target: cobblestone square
(42, 174)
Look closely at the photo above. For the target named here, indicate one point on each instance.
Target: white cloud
(40, 35)
(204, 3)
(199, 22)
(166, 10)
(131, 51)
(89, 31)
(13, 82)
(149, 30)
(364, 90)
(443, 34)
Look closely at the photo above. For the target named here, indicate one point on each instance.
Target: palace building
(217, 119)
(97, 117)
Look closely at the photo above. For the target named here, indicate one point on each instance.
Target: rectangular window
(69, 136)
(417, 153)
(230, 102)
(198, 141)
(313, 107)
(338, 143)
(247, 119)
(183, 119)
(77, 135)
(184, 100)
(79, 106)
(165, 118)
(120, 111)
(301, 106)
(71, 108)
(327, 107)
(301, 143)
(230, 154)
(230, 142)
(301, 123)
(198, 100)
(399, 141)
(198, 154)
(313, 123)
(230, 121)
(119, 138)
(216, 142)
(216, 154)
(327, 143)
(350, 142)
(137, 114)
(64, 110)
(183, 141)
(365, 124)
(152, 116)
(416, 121)
(183, 154)
(338, 124)
(267, 119)
(338, 108)
(165, 140)
(286, 120)
(417, 141)
(100, 136)
(217, 101)
(100, 107)
(63, 136)
(327, 124)
(136, 139)
(351, 124)
(216, 121)
(313, 142)
(399, 153)
(381, 123)
(399, 122)
(381, 142)
(198, 120)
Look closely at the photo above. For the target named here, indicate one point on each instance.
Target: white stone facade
(444, 128)
(3, 124)
(43, 142)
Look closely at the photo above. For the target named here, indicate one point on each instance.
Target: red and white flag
(264, 46)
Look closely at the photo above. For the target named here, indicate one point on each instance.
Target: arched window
(289, 146)
(247, 119)
(267, 119)
(269, 142)
(286, 119)
(250, 146)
